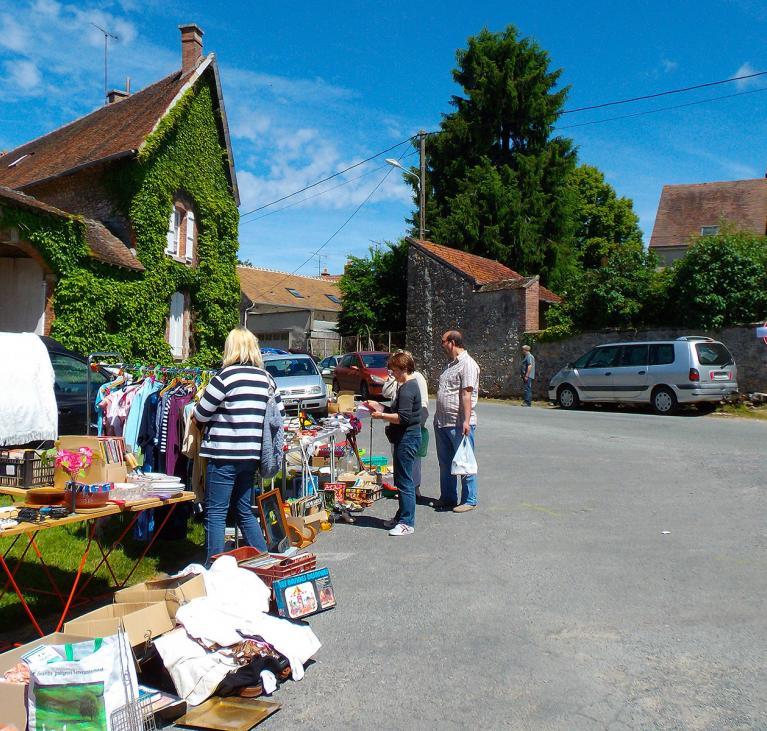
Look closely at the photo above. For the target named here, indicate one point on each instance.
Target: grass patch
(744, 411)
(62, 548)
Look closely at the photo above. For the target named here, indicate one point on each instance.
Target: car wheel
(567, 397)
(364, 391)
(336, 389)
(664, 401)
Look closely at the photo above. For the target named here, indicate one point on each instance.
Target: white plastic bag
(464, 462)
(81, 685)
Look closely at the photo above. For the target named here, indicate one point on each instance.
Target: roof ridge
(85, 116)
(715, 182)
(277, 271)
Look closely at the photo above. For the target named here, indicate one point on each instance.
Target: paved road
(560, 603)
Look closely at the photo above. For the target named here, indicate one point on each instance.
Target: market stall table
(31, 530)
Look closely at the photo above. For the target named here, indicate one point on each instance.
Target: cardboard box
(140, 622)
(174, 591)
(13, 703)
(319, 461)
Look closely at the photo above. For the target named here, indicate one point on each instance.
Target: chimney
(325, 273)
(117, 95)
(191, 46)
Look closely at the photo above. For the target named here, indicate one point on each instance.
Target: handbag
(424, 448)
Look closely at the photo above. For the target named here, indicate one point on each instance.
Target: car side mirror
(571, 366)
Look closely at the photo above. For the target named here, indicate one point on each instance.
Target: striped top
(232, 411)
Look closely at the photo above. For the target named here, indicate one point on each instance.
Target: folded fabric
(28, 411)
(195, 671)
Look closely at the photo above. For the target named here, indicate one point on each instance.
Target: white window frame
(190, 232)
(176, 325)
(709, 230)
(171, 237)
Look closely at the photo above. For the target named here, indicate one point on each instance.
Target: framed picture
(272, 515)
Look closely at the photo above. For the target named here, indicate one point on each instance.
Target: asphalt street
(613, 577)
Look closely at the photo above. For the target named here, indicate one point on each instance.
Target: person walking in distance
(527, 371)
(455, 417)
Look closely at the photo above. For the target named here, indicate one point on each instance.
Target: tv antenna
(107, 36)
(320, 257)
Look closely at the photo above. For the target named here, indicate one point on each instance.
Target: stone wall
(492, 323)
(749, 352)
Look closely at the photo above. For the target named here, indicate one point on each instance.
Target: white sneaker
(401, 530)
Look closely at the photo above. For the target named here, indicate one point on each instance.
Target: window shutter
(176, 325)
(189, 236)
(171, 236)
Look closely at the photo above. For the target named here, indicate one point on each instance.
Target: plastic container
(25, 470)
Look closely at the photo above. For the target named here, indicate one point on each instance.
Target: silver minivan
(299, 382)
(663, 373)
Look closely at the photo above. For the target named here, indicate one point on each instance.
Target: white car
(299, 382)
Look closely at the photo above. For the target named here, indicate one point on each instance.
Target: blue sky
(311, 88)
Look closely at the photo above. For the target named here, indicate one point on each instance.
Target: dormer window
(19, 159)
(181, 236)
(295, 293)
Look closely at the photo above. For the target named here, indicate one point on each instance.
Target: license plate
(720, 376)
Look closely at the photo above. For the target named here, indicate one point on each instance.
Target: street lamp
(421, 181)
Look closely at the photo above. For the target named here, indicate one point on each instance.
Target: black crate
(26, 471)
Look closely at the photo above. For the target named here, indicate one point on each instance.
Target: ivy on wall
(99, 307)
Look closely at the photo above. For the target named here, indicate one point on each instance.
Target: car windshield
(287, 367)
(375, 360)
(713, 354)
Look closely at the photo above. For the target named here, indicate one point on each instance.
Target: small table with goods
(45, 507)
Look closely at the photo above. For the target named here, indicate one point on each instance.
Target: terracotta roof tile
(477, 268)
(103, 245)
(265, 286)
(684, 209)
(108, 132)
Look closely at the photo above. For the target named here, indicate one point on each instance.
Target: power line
(330, 177)
(322, 192)
(665, 93)
(336, 232)
(663, 109)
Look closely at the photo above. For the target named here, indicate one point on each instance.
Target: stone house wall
(492, 322)
(750, 353)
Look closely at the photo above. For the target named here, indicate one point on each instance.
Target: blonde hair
(241, 347)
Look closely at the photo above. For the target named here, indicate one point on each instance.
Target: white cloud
(669, 65)
(746, 69)
(24, 75)
(12, 35)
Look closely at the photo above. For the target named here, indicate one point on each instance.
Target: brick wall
(84, 193)
(749, 352)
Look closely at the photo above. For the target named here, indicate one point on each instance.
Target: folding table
(30, 531)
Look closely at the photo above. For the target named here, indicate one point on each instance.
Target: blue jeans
(448, 440)
(230, 482)
(404, 457)
(527, 397)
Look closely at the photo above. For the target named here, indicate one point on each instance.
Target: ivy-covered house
(118, 231)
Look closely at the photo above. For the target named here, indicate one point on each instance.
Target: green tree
(497, 177)
(602, 219)
(374, 291)
(721, 280)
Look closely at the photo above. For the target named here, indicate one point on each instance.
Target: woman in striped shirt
(231, 415)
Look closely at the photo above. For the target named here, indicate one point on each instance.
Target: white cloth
(195, 671)
(207, 620)
(28, 410)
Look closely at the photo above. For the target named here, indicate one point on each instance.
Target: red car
(364, 373)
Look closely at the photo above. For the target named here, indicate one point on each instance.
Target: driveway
(613, 577)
